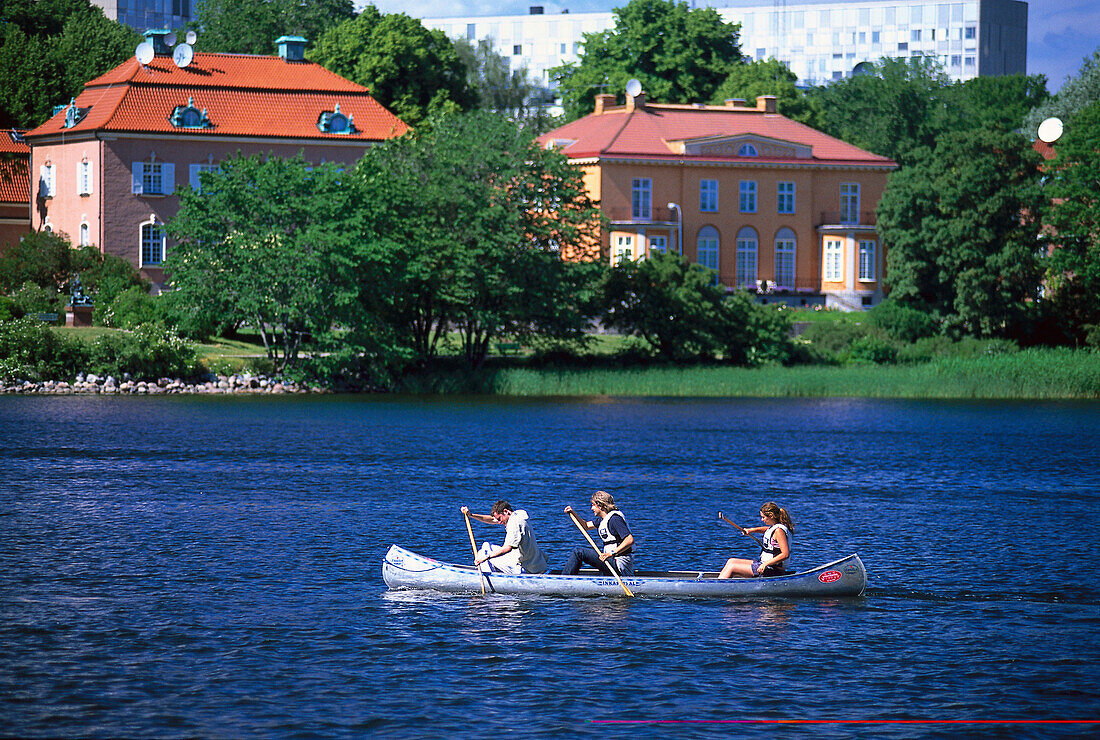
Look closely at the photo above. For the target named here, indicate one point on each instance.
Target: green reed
(1030, 374)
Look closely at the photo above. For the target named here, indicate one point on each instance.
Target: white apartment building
(820, 40)
(143, 15)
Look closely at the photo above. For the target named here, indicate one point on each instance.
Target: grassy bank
(1031, 374)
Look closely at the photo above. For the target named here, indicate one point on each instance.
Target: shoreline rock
(90, 385)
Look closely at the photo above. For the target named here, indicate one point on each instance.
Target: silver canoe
(404, 569)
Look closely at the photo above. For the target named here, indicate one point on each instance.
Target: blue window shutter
(168, 178)
(135, 178)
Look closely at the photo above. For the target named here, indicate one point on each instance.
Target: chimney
(766, 103)
(635, 102)
(735, 102)
(292, 48)
(156, 37)
(603, 102)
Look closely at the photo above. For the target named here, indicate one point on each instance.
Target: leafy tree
(903, 105)
(674, 306)
(889, 111)
(41, 258)
(408, 68)
(252, 26)
(678, 53)
(269, 242)
(498, 87)
(1074, 220)
(957, 244)
(989, 102)
(768, 77)
(49, 49)
(469, 219)
(1076, 94)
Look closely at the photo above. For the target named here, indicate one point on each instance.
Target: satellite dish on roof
(633, 88)
(192, 37)
(182, 55)
(170, 38)
(1050, 130)
(145, 52)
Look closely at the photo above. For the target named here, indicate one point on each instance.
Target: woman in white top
(776, 554)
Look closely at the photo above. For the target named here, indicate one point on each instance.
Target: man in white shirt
(520, 552)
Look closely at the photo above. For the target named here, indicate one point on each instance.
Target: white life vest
(610, 542)
(771, 545)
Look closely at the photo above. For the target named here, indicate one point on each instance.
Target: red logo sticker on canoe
(829, 576)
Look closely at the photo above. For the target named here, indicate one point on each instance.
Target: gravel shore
(108, 385)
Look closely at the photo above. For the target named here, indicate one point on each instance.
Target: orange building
(772, 205)
(109, 165)
(15, 184)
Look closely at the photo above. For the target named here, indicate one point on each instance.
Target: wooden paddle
(473, 546)
(611, 566)
(743, 530)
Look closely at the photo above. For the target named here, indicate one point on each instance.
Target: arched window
(152, 243)
(85, 234)
(746, 257)
(706, 246)
(784, 258)
(747, 150)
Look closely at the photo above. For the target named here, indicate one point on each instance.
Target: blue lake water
(181, 567)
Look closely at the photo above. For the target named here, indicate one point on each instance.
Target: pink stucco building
(107, 169)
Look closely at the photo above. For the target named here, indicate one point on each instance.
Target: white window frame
(708, 196)
(84, 178)
(784, 197)
(641, 197)
(145, 241)
(707, 248)
(832, 260)
(47, 181)
(748, 246)
(786, 251)
(849, 202)
(867, 250)
(142, 177)
(747, 199)
(85, 234)
(624, 248)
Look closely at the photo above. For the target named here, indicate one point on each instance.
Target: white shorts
(506, 563)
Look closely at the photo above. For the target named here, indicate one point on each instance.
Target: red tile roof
(648, 132)
(243, 96)
(15, 175)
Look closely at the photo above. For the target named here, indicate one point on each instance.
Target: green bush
(129, 309)
(902, 322)
(149, 352)
(30, 350)
(930, 348)
(32, 299)
(174, 311)
(832, 342)
(7, 308)
(874, 349)
(105, 278)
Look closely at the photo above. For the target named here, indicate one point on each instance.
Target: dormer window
(335, 122)
(188, 116)
(747, 150)
(74, 115)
